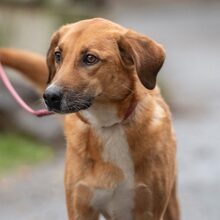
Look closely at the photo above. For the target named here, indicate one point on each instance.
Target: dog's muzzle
(64, 101)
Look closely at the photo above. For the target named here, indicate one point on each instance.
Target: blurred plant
(95, 3)
(24, 2)
(17, 150)
(87, 3)
(65, 18)
(3, 36)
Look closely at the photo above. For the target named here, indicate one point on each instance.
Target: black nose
(53, 97)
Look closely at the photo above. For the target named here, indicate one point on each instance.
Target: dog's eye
(90, 59)
(57, 57)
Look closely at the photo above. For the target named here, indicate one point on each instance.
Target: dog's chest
(118, 201)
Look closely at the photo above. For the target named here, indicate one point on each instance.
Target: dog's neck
(104, 115)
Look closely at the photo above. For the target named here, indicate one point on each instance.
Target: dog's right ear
(50, 56)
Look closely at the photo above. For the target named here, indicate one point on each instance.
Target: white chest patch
(117, 202)
(100, 115)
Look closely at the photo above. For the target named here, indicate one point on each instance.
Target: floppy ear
(145, 54)
(50, 56)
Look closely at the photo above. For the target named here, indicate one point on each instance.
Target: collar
(130, 110)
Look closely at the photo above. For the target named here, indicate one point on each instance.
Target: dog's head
(97, 60)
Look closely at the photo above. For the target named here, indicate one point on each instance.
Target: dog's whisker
(126, 87)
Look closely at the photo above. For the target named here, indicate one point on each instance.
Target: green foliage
(24, 2)
(17, 151)
(70, 18)
(3, 38)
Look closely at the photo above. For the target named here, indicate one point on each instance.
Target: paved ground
(191, 76)
(34, 194)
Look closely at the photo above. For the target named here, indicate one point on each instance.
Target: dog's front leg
(79, 195)
(78, 203)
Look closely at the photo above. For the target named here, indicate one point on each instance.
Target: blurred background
(32, 150)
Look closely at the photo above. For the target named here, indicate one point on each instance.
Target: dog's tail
(31, 65)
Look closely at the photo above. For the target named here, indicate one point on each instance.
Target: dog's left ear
(144, 54)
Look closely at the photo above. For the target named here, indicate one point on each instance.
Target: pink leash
(18, 99)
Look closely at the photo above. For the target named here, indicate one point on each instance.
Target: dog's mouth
(64, 102)
(72, 106)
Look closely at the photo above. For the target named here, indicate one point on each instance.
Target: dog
(121, 148)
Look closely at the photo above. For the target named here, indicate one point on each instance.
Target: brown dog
(121, 149)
